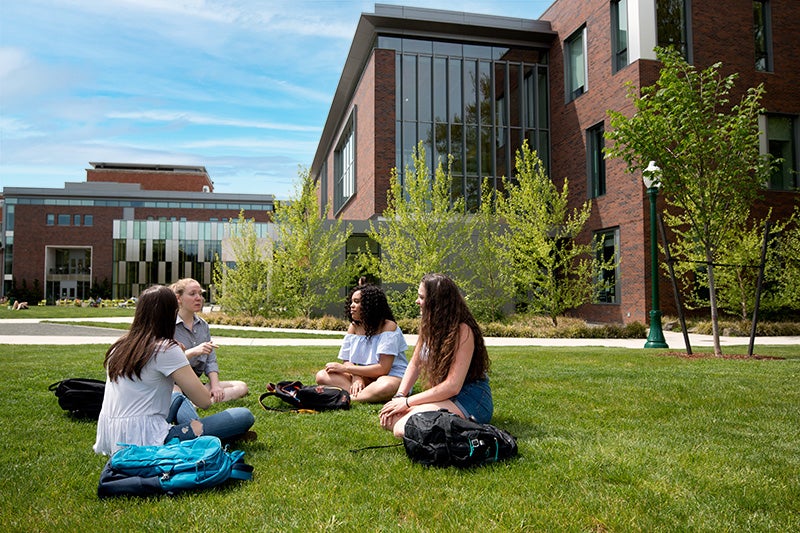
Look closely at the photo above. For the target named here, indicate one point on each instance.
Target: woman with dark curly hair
(373, 353)
(451, 357)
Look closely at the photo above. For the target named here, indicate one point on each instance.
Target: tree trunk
(712, 292)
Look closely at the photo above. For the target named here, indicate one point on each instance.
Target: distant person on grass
(373, 354)
(142, 368)
(193, 334)
(451, 357)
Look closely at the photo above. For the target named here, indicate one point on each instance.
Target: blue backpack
(171, 468)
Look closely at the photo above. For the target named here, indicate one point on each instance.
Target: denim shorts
(475, 401)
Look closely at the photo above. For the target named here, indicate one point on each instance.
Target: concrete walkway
(31, 331)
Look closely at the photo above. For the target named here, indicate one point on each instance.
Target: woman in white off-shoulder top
(372, 359)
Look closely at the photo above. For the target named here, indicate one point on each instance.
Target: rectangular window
(619, 34)
(323, 187)
(608, 254)
(781, 143)
(88, 220)
(344, 159)
(595, 163)
(672, 26)
(762, 34)
(63, 220)
(76, 220)
(51, 219)
(575, 64)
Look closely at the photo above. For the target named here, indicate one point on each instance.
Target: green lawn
(609, 440)
(65, 311)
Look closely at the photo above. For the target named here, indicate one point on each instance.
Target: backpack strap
(241, 471)
(284, 410)
(357, 450)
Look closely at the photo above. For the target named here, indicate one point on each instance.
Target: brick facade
(153, 178)
(716, 35)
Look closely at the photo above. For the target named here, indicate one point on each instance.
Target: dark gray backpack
(441, 438)
(81, 397)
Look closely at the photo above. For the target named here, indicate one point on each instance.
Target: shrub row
(518, 326)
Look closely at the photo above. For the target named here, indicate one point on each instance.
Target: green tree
(424, 231)
(493, 283)
(711, 170)
(736, 276)
(245, 286)
(310, 267)
(553, 271)
(786, 267)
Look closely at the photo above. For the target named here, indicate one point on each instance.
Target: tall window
(323, 187)
(575, 64)
(619, 34)
(781, 143)
(609, 278)
(344, 162)
(762, 33)
(472, 102)
(672, 25)
(595, 164)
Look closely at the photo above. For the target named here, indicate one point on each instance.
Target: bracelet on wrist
(399, 395)
(406, 397)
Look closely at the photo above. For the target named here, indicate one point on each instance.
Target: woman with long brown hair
(450, 356)
(142, 368)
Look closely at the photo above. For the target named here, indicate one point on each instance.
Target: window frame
(766, 15)
(344, 177)
(686, 29)
(595, 145)
(615, 292)
(619, 56)
(570, 45)
(793, 171)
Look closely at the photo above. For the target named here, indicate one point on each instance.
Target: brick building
(126, 227)
(476, 86)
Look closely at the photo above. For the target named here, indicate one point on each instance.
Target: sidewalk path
(31, 331)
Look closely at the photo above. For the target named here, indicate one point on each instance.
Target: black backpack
(82, 397)
(441, 438)
(306, 398)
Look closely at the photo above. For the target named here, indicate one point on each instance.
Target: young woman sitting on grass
(373, 353)
(193, 333)
(142, 367)
(450, 354)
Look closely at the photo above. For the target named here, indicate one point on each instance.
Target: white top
(135, 410)
(360, 350)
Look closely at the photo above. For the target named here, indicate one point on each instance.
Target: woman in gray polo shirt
(193, 333)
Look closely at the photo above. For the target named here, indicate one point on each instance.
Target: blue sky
(242, 87)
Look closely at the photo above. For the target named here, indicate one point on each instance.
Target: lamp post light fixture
(651, 176)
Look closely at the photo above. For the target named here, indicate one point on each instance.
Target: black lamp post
(652, 181)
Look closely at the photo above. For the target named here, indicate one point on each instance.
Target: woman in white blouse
(142, 367)
(373, 354)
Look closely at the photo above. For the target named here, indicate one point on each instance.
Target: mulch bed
(708, 355)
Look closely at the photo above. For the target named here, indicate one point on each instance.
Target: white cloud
(206, 120)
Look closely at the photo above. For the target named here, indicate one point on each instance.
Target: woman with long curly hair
(373, 354)
(450, 356)
(142, 367)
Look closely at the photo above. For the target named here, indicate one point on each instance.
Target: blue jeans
(181, 410)
(225, 425)
(475, 400)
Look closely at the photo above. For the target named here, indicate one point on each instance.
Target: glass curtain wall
(476, 103)
(156, 251)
